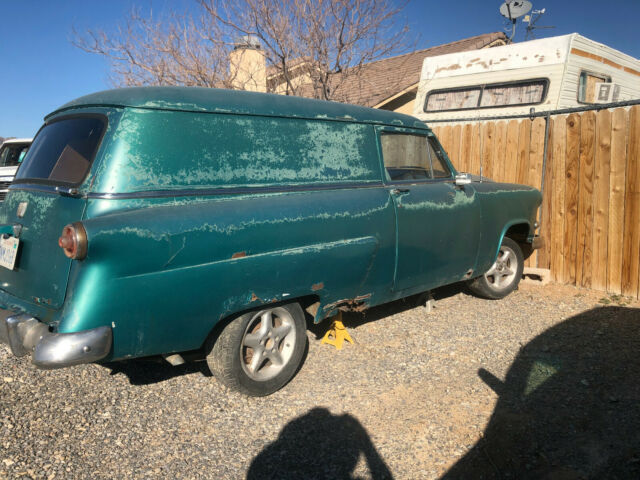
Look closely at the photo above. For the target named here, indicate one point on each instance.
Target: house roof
(214, 100)
(386, 78)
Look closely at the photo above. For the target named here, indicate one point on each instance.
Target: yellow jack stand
(337, 333)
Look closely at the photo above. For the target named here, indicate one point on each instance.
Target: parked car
(158, 221)
(12, 152)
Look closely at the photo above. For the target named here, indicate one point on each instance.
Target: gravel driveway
(411, 399)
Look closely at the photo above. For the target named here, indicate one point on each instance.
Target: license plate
(8, 252)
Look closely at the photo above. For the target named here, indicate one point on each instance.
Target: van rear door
(41, 202)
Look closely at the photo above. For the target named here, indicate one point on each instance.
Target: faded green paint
(163, 270)
(234, 151)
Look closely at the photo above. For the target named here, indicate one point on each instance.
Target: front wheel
(260, 351)
(503, 276)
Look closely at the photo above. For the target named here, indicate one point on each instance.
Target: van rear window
(62, 151)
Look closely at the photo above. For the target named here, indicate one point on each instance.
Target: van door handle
(399, 191)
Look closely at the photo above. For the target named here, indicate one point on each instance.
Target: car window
(438, 165)
(405, 157)
(62, 151)
(12, 155)
(412, 157)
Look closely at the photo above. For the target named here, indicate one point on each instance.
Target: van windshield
(62, 151)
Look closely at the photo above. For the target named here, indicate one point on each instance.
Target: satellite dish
(513, 9)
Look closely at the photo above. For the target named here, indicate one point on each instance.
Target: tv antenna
(531, 20)
(512, 10)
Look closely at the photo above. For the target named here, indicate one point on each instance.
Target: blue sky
(43, 70)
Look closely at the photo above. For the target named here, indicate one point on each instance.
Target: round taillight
(73, 241)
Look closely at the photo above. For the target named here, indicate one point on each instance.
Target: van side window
(412, 157)
(62, 151)
(406, 157)
(438, 165)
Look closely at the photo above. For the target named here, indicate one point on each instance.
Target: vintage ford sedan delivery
(161, 221)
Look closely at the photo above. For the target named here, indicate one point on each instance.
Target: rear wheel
(504, 275)
(260, 351)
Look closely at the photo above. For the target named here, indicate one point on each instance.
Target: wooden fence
(590, 218)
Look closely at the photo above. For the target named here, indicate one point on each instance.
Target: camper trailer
(547, 74)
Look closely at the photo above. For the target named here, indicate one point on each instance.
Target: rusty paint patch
(239, 255)
(317, 286)
(356, 304)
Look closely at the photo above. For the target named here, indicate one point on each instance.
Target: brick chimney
(247, 65)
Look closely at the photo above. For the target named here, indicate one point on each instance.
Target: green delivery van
(165, 220)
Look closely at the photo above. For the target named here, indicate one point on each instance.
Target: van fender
(505, 229)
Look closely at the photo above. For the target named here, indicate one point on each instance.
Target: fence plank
(601, 169)
(533, 142)
(523, 132)
(558, 198)
(446, 139)
(631, 245)
(511, 151)
(455, 144)
(571, 197)
(524, 143)
(465, 149)
(616, 200)
(585, 199)
(488, 137)
(499, 152)
(544, 255)
(476, 151)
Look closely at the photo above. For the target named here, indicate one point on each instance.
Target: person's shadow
(319, 445)
(569, 407)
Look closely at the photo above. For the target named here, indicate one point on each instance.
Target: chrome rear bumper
(25, 334)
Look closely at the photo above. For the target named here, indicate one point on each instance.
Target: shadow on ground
(569, 407)
(319, 445)
(147, 371)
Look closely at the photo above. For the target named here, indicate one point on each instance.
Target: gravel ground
(410, 400)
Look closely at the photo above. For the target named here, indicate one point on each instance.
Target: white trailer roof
(545, 51)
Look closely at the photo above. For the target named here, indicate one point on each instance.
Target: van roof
(214, 100)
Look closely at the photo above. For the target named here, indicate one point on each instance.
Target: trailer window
(526, 92)
(453, 100)
(587, 86)
(517, 94)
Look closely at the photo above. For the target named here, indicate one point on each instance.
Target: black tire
(504, 275)
(232, 356)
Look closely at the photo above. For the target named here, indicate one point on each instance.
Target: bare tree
(310, 47)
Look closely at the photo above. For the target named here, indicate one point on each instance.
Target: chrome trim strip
(35, 187)
(190, 192)
(232, 191)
